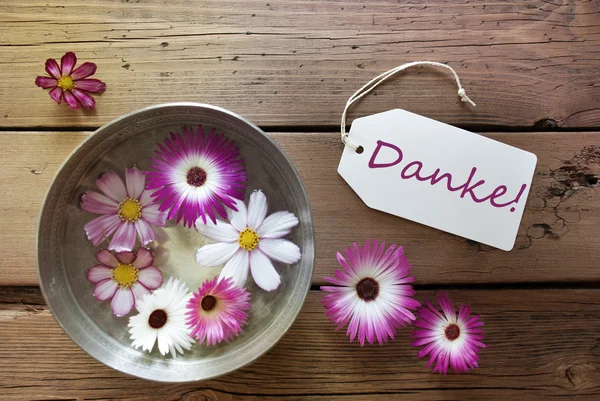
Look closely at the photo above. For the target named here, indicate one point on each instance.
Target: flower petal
(56, 94)
(112, 186)
(106, 258)
(95, 202)
(124, 238)
(216, 254)
(123, 302)
(221, 232)
(139, 291)
(45, 82)
(83, 71)
(70, 100)
(92, 85)
(105, 290)
(257, 209)
(153, 215)
(238, 219)
(52, 68)
(86, 100)
(277, 225)
(143, 258)
(280, 250)
(150, 277)
(125, 257)
(67, 62)
(263, 272)
(145, 232)
(99, 273)
(101, 228)
(135, 180)
(237, 268)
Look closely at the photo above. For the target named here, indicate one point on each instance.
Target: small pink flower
(454, 340)
(126, 208)
(124, 278)
(217, 311)
(71, 83)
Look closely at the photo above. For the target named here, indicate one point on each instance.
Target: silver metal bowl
(64, 254)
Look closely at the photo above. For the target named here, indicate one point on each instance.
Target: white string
(369, 86)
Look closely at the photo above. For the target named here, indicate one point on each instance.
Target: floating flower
(162, 319)
(125, 278)
(217, 311)
(126, 208)
(453, 340)
(371, 292)
(71, 83)
(197, 174)
(250, 241)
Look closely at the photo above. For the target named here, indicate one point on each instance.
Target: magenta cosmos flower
(372, 292)
(127, 208)
(124, 278)
(217, 311)
(197, 175)
(70, 83)
(454, 340)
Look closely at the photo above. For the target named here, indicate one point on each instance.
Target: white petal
(216, 254)
(221, 232)
(237, 268)
(277, 225)
(239, 219)
(163, 341)
(280, 250)
(257, 209)
(263, 272)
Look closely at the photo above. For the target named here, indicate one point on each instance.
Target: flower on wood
(70, 83)
(372, 293)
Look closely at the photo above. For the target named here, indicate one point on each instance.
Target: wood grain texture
(542, 344)
(559, 238)
(294, 63)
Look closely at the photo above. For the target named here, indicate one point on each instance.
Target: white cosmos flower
(162, 318)
(250, 241)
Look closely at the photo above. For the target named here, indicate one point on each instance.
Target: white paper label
(438, 175)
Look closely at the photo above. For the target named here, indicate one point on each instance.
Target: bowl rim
(98, 356)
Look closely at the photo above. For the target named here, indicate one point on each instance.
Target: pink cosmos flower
(372, 292)
(125, 208)
(197, 174)
(217, 311)
(124, 278)
(453, 340)
(71, 84)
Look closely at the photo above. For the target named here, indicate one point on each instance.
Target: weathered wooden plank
(296, 62)
(560, 229)
(542, 344)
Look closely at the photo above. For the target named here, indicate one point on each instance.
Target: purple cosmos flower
(217, 311)
(126, 208)
(372, 292)
(70, 83)
(197, 174)
(453, 340)
(124, 278)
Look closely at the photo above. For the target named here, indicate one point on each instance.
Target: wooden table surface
(533, 67)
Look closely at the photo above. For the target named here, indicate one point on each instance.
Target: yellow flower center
(130, 210)
(125, 275)
(66, 83)
(248, 239)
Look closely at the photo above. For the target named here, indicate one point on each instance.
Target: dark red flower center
(452, 332)
(196, 177)
(367, 289)
(157, 319)
(208, 303)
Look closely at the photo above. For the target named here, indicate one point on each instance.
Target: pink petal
(112, 186)
(135, 181)
(145, 232)
(92, 85)
(70, 100)
(83, 71)
(101, 228)
(67, 62)
(95, 202)
(45, 82)
(125, 257)
(139, 291)
(143, 258)
(105, 290)
(123, 301)
(52, 68)
(56, 94)
(150, 277)
(154, 216)
(86, 100)
(106, 258)
(99, 273)
(124, 238)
